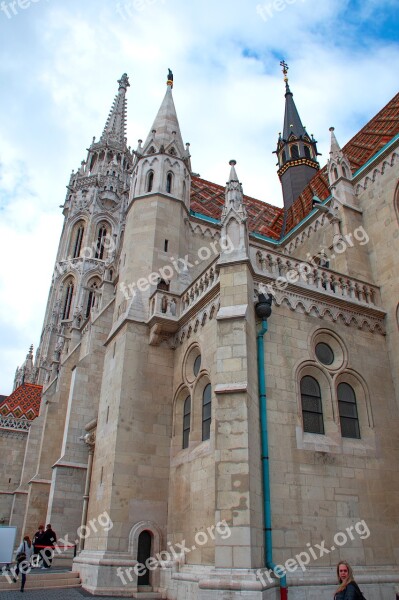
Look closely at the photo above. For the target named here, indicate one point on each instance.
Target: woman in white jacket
(23, 556)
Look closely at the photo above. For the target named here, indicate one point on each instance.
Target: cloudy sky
(60, 60)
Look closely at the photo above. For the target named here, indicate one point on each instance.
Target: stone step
(40, 580)
(147, 595)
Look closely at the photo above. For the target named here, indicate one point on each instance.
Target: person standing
(23, 556)
(348, 588)
(48, 540)
(36, 545)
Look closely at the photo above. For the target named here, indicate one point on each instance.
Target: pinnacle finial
(170, 78)
(124, 82)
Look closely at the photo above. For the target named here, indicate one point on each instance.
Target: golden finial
(285, 68)
(170, 78)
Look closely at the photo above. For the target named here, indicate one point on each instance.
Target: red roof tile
(207, 198)
(24, 402)
(367, 142)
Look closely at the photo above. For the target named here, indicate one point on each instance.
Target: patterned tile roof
(207, 198)
(24, 402)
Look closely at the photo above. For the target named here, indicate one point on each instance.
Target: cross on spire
(285, 68)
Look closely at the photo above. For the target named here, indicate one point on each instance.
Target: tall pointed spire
(296, 150)
(115, 127)
(165, 131)
(338, 164)
(234, 222)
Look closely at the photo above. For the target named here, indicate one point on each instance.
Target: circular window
(192, 364)
(197, 365)
(324, 353)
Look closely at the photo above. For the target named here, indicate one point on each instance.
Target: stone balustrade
(207, 280)
(318, 278)
(14, 424)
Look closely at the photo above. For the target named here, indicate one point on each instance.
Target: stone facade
(148, 437)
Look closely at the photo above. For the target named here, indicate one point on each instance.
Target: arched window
(169, 179)
(335, 173)
(150, 181)
(294, 151)
(66, 311)
(206, 412)
(312, 411)
(348, 411)
(77, 244)
(283, 157)
(344, 171)
(163, 285)
(100, 246)
(186, 421)
(307, 152)
(91, 299)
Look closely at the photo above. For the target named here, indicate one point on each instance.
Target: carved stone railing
(163, 303)
(200, 287)
(320, 279)
(14, 424)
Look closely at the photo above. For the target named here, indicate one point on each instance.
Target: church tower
(86, 261)
(296, 150)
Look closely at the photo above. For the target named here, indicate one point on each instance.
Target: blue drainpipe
(263, 309)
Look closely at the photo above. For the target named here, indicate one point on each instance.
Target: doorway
(143, 554)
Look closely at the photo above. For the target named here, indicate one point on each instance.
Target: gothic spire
(115, 127)
(335, 148)
(296, 150)
(165, 131)
(233, 192)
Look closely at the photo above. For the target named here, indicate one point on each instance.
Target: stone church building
(219, 377)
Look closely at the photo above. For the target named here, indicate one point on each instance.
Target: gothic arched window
(186, 421)
(307, 152)
(169, 179)
(345, 174)
(294, 151)
(150, 181)
(348, 411)
(77, 239)
(91, 298)
(206, 412)
(312, 411)
(68, 296)
(100, 246)
(335, 173)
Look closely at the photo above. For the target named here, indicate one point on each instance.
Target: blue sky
(59, 63)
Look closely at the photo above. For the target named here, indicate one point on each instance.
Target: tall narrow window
(186, 421)
(312, 411)
(78, 241)
(91, 299)
(68, 301)
(206, 412)
(150, 181)
(169, 183)
(307, 151)
(283, 157)
(294, 151)
(348, 411)
(100, 247)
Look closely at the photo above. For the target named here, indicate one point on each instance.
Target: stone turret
(296, 150)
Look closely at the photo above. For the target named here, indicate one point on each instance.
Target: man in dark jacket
(48, 540)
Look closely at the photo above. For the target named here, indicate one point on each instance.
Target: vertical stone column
(237, 454)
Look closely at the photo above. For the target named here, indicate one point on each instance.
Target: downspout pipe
(263, 310)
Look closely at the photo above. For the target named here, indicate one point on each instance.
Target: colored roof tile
(23, 403)
(207, 198)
